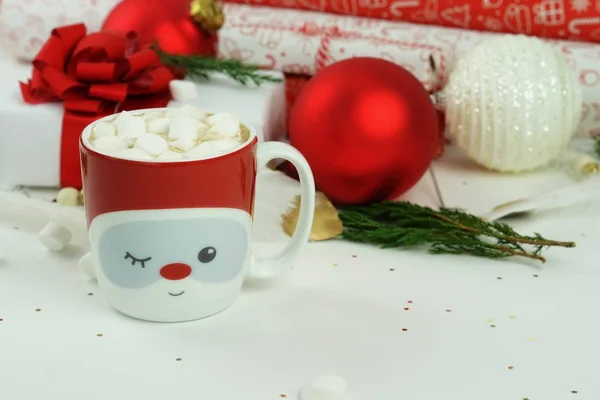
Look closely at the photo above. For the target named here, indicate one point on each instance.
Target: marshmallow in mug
(177, 133)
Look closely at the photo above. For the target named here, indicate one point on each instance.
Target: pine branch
(402, 224)
(597, 147)
(200, 67)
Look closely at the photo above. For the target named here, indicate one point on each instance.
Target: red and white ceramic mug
(170, 241)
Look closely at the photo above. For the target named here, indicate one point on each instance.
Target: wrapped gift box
(30, 140)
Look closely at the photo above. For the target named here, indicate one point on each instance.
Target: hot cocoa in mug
(169, 197)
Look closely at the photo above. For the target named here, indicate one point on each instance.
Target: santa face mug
(170, 236)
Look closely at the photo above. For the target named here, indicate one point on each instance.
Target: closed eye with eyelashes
(134, 260)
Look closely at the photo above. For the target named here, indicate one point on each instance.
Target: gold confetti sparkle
(490, 320)
(283, 395)
(100, 335)
(510, 367)
(512, 317)
(531, 338)
(334, 265)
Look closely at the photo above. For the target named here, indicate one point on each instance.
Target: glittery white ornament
(513, 103)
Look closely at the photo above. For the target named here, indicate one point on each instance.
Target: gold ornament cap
(208, 14)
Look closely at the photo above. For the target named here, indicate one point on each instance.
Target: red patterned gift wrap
(577, 20)
(302, 42)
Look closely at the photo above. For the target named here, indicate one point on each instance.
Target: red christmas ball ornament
(368, 129)
(168, 23)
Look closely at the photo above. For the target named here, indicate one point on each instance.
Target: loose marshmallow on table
(68, 197)
(55, 236)
(325, 388)
(86, 265)
(102, 129)
(183, 90)
(110, 143)
(152, 144)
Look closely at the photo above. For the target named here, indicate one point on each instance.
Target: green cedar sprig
(403, 224)
(200, 67)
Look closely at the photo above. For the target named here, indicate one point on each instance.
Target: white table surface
(394, 324)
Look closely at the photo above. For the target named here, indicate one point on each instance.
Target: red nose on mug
(175, 271)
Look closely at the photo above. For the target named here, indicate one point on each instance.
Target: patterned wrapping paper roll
(26, 24)
(556, 19)
(302, 42)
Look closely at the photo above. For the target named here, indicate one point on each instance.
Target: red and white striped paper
(302, 42)
(556, 19)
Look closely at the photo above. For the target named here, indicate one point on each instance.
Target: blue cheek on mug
(132, 254)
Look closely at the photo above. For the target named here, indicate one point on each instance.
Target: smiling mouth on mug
(177, 294)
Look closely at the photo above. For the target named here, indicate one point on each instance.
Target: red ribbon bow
(93, 75)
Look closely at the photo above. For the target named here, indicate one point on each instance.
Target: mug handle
(281, 262)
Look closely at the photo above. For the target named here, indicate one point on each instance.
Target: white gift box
(30, 134)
